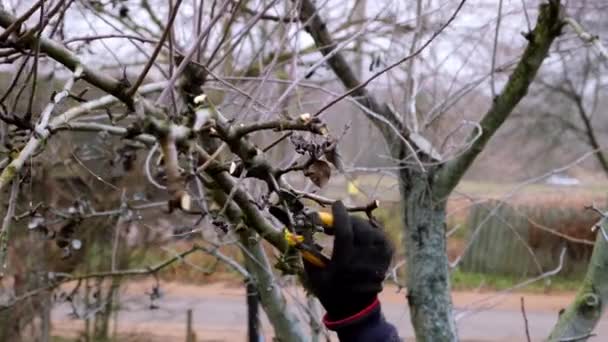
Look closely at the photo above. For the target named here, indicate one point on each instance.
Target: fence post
(189, 333)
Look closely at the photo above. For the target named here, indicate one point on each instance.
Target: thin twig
(512, 193)
(157, 50)
(195, 47)
(109, 36)
(392, 274)
(212, 158)
(523, 312)
(395, 64)
(327, 55)
(296, 167)
(589, 38)
(147, 168)
(548, 28)
(34, 87)
(494, 49)
(470, 310)
(324, 201)
(15, 79)
(61, 278)
(17, 23)
(92, 173)
(229, 261)
(41, 132)
(63, 120)
(46, 113)
(145, 4)
(280, 125)
(595, 209)
(410, 71)
(147, 139)
(529, 25)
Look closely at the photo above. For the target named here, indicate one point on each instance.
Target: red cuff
(359, 315)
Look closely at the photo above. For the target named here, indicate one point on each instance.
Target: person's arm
(349, 284)
(364, 326)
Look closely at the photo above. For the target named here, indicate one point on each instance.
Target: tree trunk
(424, 194)
(582, 315)
(109, 301)
(427, 273)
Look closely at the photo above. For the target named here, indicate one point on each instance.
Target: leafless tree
(200, 95)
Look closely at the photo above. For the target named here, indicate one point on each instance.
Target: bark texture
(428, 281)
(579, 319)
(287, 326)
(423, 192)
(548, 27)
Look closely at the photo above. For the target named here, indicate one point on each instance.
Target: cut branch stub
(179, 198)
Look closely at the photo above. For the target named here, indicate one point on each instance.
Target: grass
(489, 189)
(62, 339)
(462, 281)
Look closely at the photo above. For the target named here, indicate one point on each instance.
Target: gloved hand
(348, 286)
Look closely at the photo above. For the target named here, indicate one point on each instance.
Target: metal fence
(504, 239)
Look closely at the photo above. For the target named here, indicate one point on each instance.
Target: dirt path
(220, 314)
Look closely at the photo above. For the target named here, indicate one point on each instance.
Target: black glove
(349, 284)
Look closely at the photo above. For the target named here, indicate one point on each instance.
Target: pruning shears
(301, 225)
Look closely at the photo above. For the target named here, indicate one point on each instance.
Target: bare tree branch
(288, 326)
(16, 24)
(70, 60)
(133, 89)
(526, 327)
(35, 141)
(62, 278)
(6, 225)
(253, 216)
(589, 38)
(356, 88)
(548, 27)
(41, 132)
(326, 44)
(313, 126)
(188, 56)
(582, 315)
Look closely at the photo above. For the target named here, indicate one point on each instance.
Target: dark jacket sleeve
(368, 325)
